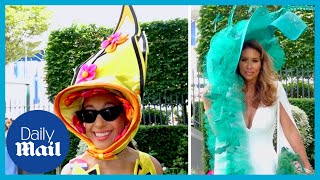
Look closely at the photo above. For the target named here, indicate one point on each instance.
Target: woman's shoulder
(146, 159)
(277, 83)
(280, 87)
(157, 165)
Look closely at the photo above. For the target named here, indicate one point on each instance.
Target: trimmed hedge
(168, 144)
(67, 48)
(167, 60)
(167, 71)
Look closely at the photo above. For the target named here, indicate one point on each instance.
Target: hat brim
(66, 112)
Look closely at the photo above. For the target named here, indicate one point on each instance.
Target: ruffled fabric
(227, 136)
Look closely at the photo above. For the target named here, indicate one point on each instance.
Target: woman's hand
(294, 138)
(204, 96)
(308, 171)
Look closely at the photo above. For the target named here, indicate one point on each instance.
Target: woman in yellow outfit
(103, 105)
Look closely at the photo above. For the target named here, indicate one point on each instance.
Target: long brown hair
(265, 88)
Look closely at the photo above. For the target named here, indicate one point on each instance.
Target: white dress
(263, 154)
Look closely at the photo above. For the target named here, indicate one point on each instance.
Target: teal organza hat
(227, 138)
(226, 45)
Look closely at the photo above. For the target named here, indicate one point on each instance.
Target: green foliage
(168, 144)
(154, 116)
(167, 71)
(304, 127)
(167, 61)
(198, 115)
(23, 25)
(295, 90)
(205, 151)
(178, 114)
(307, 105)
(299, 53)
(68, 48)
(302, 122)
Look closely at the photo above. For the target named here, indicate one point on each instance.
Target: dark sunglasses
(108, 114)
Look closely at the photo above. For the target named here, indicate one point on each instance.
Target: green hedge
(67, 48)
(168, 144)
(306, 104)
(167, 60)
(167, 71)
(297, 89)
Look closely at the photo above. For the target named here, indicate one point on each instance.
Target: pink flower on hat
(87, 72)
(111, 43)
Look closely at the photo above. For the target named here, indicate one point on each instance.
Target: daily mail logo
(39, 137)
(28, 148)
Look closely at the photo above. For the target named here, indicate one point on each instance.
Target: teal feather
(285, 163)
(226, 128)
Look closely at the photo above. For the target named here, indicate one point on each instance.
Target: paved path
(196, 151)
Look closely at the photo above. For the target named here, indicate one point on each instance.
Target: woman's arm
(157, 165)
(293, 136)
(206, 101)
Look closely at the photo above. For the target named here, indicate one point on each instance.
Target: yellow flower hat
(119, 67)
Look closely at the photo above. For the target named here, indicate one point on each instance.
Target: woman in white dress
(261, 97)
(264, 98)
(248, 104)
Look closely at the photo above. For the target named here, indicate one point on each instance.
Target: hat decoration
(226, 126)
(119, 67)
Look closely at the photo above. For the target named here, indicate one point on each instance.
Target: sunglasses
(108, 114)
